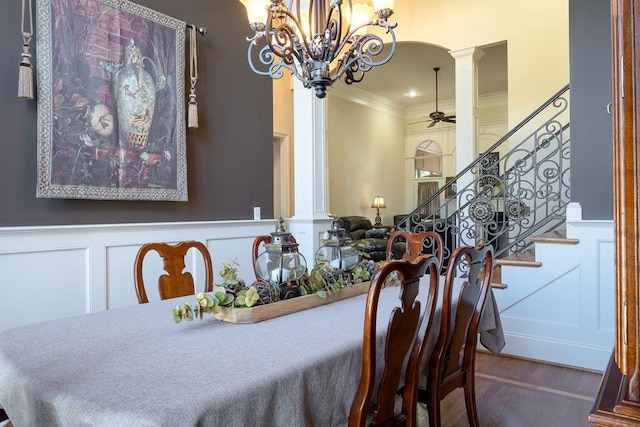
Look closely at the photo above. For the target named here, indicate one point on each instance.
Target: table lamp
(378, 202)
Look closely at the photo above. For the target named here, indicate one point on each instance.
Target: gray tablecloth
(135, 367)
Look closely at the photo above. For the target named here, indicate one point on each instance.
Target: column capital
(475, 52)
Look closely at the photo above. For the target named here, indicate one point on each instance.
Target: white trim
(488, 100)
(579, 279)
(414, 112)
(286, 174)
(574, 212)
(36, 231)
(77, 269)
(367, 99)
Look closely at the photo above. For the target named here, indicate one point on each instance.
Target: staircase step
(558, 236)
(496, 279)
(524, 259)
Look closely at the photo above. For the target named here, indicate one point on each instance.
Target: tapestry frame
(94, 153)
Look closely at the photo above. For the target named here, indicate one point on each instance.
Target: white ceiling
(411, 68)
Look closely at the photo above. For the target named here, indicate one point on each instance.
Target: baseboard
(557, 352)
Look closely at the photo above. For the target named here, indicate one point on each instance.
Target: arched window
(428, 159)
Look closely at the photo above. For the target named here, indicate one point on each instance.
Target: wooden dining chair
(416, 244)
(452, 361)
(375, 401)
(176, 282)
(257, 243)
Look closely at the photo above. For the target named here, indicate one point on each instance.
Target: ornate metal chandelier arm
(274, 65)
(288, 41)
(332, 32)
(323, 51)
(351, 37)
(360, 55)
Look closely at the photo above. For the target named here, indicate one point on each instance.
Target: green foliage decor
(233, 292)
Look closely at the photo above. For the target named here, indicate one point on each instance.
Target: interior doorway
(282, 176)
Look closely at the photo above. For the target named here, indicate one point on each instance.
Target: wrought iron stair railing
(504, 200)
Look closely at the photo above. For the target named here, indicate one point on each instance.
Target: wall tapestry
(110, 101)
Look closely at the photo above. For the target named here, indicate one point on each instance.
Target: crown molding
(489, 100)
(494, 99)
(369, 100)
(414, 112)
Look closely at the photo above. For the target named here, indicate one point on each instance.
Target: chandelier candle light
(319, 43)
(378, 203)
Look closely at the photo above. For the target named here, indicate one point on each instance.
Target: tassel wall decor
(193, 73)
(25, 74)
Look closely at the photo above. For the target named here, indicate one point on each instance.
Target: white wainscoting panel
(52, 272)
(563, 312)
(38, 285)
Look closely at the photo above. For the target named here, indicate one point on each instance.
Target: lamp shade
(256, 10)
(382, 4)
(332, 42)
(378, 202)
(362, 14)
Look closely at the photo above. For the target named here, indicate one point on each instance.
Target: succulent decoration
(205, 303)
(324, 279)
(233, 292)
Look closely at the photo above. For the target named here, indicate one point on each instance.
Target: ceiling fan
(437, 115)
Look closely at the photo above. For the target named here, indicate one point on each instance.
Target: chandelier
(319, 43)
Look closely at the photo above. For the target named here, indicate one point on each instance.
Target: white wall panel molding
(56, 271)
(379, 103)
(563, 312)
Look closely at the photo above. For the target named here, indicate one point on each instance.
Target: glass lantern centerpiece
(281, 263)
(336, 251)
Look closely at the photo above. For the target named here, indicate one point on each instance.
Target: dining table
(134, 366)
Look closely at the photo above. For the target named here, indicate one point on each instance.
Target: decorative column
(310, 221)
(466, 119)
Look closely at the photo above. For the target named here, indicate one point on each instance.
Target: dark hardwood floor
(512, 392)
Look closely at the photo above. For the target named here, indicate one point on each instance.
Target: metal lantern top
(337, 235)
(281, 239)
(336, 250)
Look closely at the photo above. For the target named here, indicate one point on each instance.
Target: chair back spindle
(416, 244)
(452, 362)
(176, 282)
(407, 328)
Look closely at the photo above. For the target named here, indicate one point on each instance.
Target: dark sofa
(372, 241)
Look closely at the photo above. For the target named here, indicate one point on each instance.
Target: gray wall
(591, 126)
(229, 158)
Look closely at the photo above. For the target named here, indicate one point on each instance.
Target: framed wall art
(451, 189)
(111, 124)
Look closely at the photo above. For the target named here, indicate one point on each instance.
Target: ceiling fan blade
(449, 119)
(433, 123)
